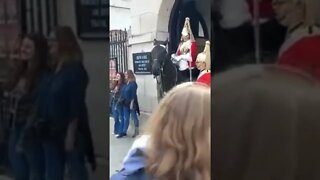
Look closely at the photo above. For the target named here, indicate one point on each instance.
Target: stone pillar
(150, 19)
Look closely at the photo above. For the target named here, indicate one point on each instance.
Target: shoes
(121, 135)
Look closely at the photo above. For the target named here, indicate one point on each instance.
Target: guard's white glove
(185, 57)
(174, 59)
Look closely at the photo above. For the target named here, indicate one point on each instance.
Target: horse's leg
(159, 87)
(159, 92)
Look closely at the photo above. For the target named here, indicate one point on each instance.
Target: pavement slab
(119, 147)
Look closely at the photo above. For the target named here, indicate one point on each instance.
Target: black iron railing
(119, 49)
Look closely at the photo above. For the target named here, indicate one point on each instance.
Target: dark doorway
(179, 12)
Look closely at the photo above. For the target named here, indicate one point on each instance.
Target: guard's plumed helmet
(205, 56)
(187, 29)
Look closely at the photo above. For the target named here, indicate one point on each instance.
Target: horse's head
(163, 43)
(158, 55)
(162, 65)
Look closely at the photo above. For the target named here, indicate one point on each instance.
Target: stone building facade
(157, 19)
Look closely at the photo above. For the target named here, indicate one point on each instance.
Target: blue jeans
(118, 117)
(29, 164)
(76, 165)
(18, 160)
(54, 160)
(127, 113)
(35, 157)
(57, 160)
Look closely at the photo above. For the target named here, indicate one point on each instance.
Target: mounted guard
(185, 56)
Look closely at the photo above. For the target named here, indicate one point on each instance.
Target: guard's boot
(136, 132)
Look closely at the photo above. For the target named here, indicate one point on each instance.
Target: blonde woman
(177, 141)
(266, 124)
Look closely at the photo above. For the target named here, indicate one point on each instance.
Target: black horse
(165, 71)
(162, 68)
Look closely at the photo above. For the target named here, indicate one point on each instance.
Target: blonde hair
(266, 120)
(179, 146)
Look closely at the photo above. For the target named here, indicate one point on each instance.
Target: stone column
(150, 19)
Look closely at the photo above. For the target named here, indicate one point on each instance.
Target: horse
(166, 71)
(163, 69)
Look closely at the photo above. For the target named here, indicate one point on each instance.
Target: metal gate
(119, 49)
(38, 16)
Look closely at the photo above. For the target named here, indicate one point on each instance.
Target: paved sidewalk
(120, 147)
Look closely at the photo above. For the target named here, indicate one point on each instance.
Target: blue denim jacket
(62, 95)
(130, 91)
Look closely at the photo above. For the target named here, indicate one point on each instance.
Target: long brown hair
(116, 83)
(179, 146)
(33, 68)
(266, 124)
(68, 47)
(131, 76)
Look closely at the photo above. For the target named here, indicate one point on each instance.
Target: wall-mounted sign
(92, 19)
(142, 63)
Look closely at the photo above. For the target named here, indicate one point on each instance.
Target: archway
(171, 17)
(182, 9)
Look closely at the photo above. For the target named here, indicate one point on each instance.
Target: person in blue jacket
(61, 107)
(131, 105)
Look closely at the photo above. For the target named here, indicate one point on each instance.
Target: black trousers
(184, 76)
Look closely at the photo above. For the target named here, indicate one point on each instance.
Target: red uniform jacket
(205, 77)
(193, 51)
(304, 54)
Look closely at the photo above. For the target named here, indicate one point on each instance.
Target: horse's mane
(159, 52)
